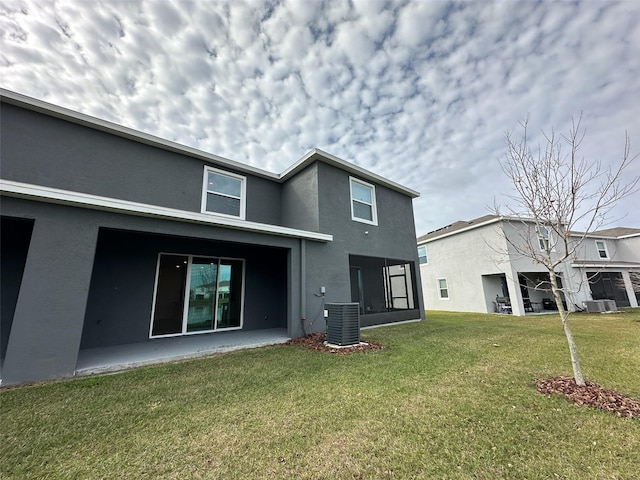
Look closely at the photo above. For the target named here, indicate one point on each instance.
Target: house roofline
(595, 235)
(39, 193)
(501, 218)
(319, 155)
(95, 123)
(466, 229)
(56, 111)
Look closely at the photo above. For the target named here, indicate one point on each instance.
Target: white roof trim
(145, 138)
(592, 236)
(631, 235)
(313, 155)
(605, 265)
(85, 200)
(125, 132)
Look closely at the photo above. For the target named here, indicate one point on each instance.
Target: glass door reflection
(202, 294)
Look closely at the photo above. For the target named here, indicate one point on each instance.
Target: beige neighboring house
(472, 266)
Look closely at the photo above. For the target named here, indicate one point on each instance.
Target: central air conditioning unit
(594, 306)
(343, 323)
(601, 306)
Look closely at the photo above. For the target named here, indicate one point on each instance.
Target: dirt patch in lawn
(591, 395)
(316, 341)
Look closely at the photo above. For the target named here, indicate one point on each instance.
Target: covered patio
(530, 295)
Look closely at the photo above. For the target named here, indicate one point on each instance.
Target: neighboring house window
(422, 254)
(543, 238)
(363, 202)
(443, 289)
(196, 294)
(601, 245)
(224, 193)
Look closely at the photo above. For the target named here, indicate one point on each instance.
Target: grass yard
(452, 397)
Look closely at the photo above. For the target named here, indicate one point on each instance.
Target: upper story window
(422, 254)
(363, 202)
(601, 246)
(224, 193)
(544, 238)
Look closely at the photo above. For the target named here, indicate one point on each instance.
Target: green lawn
(451, 397)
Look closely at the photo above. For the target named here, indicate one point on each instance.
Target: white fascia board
(631, 235)
(592, 236)
(113, 128)
(317, 154)
(95, 202)
(604, 237)
(605, 265)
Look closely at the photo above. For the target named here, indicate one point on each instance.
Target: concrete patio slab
(122, 357)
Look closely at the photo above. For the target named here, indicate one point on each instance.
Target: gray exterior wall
(300, 200)
(49, 312)
(88, 281)
(51, 152)
(328, 264)
(79, 277)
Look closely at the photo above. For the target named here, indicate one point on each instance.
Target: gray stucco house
(111, 236)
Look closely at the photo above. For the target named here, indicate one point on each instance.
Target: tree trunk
(564, 316)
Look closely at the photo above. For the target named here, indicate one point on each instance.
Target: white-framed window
(422, 254)
(224, 193)
(443, 289)
(544, 237)
(363, 201)
(196, 294)
(601, 246)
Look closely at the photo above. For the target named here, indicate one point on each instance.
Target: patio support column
(294, 300)
(47, 324)
(515, 295)
(633, 302)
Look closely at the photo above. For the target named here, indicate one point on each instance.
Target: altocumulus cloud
(420, 92)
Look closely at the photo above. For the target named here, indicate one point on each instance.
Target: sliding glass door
(203, 282)
(197, 294)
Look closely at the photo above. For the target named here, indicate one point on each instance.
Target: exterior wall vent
(343, 323)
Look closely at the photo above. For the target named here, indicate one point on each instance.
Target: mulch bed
(591, 395)
(315, 341)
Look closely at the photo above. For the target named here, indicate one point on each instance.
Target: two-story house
(114, 237)
(472, 266)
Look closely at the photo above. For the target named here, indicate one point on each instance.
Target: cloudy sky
(419, 92)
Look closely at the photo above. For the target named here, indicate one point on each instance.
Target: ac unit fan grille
(343, 323)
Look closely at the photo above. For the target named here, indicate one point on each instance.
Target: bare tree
(555, 192)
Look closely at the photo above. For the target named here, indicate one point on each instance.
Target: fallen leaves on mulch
(315, 341)
(591, 395)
